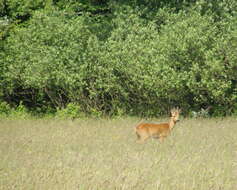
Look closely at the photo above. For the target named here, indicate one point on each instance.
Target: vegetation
(118, 57)
(81, 60)
(103, 154)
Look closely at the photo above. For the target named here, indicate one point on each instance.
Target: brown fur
(162, 130)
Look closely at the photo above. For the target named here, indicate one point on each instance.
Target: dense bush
(128, 61)
(44, 59)
(193, 46)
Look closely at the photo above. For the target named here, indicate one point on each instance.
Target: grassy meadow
(100, 154)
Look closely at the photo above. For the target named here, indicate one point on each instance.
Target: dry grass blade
(103, 154)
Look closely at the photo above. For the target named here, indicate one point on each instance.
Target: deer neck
(171, 123)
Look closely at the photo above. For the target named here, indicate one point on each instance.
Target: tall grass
(103, 154)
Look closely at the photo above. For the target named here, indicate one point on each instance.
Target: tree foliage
(119, 57)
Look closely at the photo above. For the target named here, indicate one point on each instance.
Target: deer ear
(171, 111)
(177, 109)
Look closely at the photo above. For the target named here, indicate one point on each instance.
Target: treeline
(112, 57)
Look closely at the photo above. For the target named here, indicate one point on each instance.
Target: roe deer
(162, 130)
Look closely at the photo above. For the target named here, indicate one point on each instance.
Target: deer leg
(162, 137)
(142, 137)
(138, 137)
(142, 140)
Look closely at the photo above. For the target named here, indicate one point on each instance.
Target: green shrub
(23, 9)
(4, 109)
(20, 112)
(46, 59)
(134, 65)
(71, 111)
